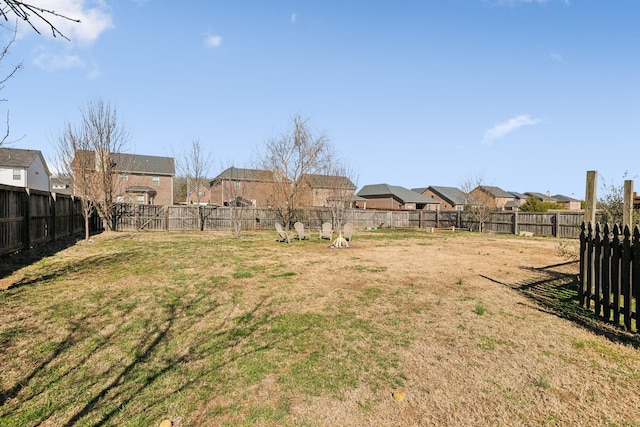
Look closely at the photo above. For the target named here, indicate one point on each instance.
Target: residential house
(519, 198)
(494, 197)
(24, 168)
(325, 190)
(540, 196)
(200, 195)
(394, 197)
(568, 203)
(237, 185)
(137, 178)
(62, 185)
(450, 198)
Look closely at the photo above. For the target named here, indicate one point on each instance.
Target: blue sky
(526, 94)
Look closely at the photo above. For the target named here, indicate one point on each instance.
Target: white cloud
(554, 56)
(93, 15)
(294, 17)
(53, 62)
(504, 128)
(212, 41)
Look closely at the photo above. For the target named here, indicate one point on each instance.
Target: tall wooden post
(627, 213)
(590, 198)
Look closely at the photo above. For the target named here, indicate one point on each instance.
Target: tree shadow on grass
(15, 261)
(556, 291)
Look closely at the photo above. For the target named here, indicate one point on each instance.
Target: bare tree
(193, 164)
(88, 153)
(478, 205)
(13, 69)
(290, 156)
(31, 14)
(341, 186)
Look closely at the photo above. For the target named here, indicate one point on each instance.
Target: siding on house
(24, 168)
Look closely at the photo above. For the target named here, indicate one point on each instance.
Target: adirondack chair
(302, 233)
(283, 236)
(347, 231)
(327, 231)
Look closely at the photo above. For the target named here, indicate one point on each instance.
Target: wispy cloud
(555, 56)
(212, 41)
(53, 62)
(294, 18)
(94, 20)
(504, 128)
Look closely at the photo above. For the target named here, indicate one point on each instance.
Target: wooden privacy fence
(29, 217)
(610, 272)
(184, 218)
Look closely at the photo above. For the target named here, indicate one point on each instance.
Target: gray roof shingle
(403, 194)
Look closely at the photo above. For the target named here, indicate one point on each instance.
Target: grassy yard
(404, 328)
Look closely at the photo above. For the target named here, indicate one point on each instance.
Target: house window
(17, 174)
(200, 193)
(140, 199)
(155, 180)
(237, 184)
(119, 199)
(124, 177)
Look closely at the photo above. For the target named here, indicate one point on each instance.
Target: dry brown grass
(464, 324)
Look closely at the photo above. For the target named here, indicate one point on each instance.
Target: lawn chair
(347, 231)
(302, 233)
(283, 235)
(327, 231)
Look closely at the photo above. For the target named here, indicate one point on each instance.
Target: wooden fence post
(590, 198)
(627, 213)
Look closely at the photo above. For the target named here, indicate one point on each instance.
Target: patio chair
(327, 231)
(302, 233)
(283, 236)
(347, 231)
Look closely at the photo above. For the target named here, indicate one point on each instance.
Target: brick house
(324, 190)
(450, 198)
(494, 197)
(234, 185)
(394, 197)
(137, 178)
(200, 195)
(24, 168)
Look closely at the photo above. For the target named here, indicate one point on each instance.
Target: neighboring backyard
(405, 328)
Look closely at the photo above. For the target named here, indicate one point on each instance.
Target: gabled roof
(495, 191)
(519, 196)
(136, 163)
(239, 174)
(20, 158)
(133, 163)
(454, 196)
(329, 181)
(541, 196)
(565, 199)
(400, 193)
